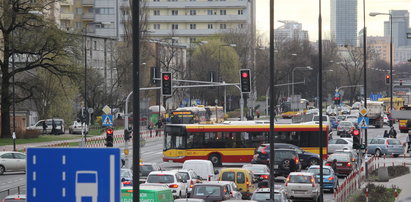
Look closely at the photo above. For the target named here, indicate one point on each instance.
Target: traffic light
(166, 87)
(245, 80)
(387, 79)
(109, 137)
(356, 139)
(127, 134)
(337, 100)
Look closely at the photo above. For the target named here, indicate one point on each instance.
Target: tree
(36, 44)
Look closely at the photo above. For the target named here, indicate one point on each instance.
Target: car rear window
(394, 142)
(207, 190)
(184, 175)
(300, 179)
(228, 176)
(146, 169)
(281, 154)
(160, 179)
(316, 171)
(339, 157)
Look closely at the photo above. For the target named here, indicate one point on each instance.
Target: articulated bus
(235, 142)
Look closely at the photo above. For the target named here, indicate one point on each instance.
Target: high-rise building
(380, 46)
(291, 30)
(344, 22)
(191, 19)
(400, 27)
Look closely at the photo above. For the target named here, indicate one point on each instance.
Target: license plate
(339, 164)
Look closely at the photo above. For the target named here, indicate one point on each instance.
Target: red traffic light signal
(387, 79)
(109, 131)
(356, 132)
(245, 81)
(244, 74)
(166, 77)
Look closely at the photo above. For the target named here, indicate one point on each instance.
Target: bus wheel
(215, 159)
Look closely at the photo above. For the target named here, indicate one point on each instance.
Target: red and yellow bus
(235, 142)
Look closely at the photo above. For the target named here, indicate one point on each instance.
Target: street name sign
(73, 174)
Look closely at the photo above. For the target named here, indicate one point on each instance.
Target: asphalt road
(152, 152)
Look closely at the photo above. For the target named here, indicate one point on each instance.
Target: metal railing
(14, 190)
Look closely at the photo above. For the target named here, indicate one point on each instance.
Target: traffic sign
(73, 174)
(363, 111)
(106, 109)
(363, 122)
(107, 120)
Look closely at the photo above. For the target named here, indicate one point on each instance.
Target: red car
(344, 163)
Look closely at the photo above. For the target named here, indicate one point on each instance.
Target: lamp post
(292, 76)
(373, 14)
(219, 79)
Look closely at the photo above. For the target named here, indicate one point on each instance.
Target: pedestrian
(409, 140)
(150, 127)
(44, 127)
(386, 134)
(53, 127)
(334, 165)
(393, 133)
(258, 114)
(159, 125)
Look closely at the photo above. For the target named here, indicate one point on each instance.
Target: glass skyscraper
(344, 22)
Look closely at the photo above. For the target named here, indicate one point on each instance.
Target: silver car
(300, 185)
(78, 128)
(339, 144)
(12, 161)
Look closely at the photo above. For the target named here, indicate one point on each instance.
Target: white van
(39, 126)
(203, 168)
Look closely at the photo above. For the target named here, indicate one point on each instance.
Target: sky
(306, 12)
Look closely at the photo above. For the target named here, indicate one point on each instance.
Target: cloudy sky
(306, 12)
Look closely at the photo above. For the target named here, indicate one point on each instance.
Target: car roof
(218, 182)
(234, 170)
(318, 166)
(301, 173)
(210, 183)
(183, 170)
(162, 172)
(254, 165)
(5, 152)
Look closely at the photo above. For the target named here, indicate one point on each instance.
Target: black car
(260, 171)
(146, 168)
(285, 160)
(307, 159)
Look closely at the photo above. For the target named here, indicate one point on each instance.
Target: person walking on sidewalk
(393, 133)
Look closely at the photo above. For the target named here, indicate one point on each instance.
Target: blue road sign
(73, 174)
(363, 122)
(107, 120)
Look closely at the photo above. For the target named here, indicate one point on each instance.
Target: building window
(156, 26)
(156, 12)
(240, 12)
(95, 45)
(223, 12)
(210, 12)
(105, 11)
(193, 12)
(78, 11)
(174, 12)
(193, 26)
(210, 26)
(174, 26)
(223, 26)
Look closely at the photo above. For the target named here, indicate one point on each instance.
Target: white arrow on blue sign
(73, 175)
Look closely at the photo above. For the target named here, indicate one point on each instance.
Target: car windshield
(339, 157)
(146, 169)
(160, 178)
(207, 191)
(265, 196)
(316, 171)
(256, 169)
(300, 179)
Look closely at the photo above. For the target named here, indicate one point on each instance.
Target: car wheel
(215, 159)
(2, 170)
(378, 153)
(313, 161)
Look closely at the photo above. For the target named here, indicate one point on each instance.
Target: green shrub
(376, 193)
(395, 171)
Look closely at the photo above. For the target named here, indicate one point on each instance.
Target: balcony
(67, 16)
(193, 4)
(88, 16)
(198, 18)
(87, 2)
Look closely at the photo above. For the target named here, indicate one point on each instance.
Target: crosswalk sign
(107, 120)
(363, 122)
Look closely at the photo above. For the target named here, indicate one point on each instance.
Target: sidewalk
(403, 182)
(118, 133)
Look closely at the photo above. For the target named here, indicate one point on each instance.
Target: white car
(78, 128)
(174, 180)
(12, 161)
(203, 168)
(301, 185)
(191, 177)
(339, 144)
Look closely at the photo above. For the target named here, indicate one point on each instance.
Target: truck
(404, 123)
(376, 113)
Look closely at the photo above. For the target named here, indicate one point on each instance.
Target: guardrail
(14, 190)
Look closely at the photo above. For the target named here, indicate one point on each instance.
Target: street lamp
(373, 14)
(292, 76)
(219, 78)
